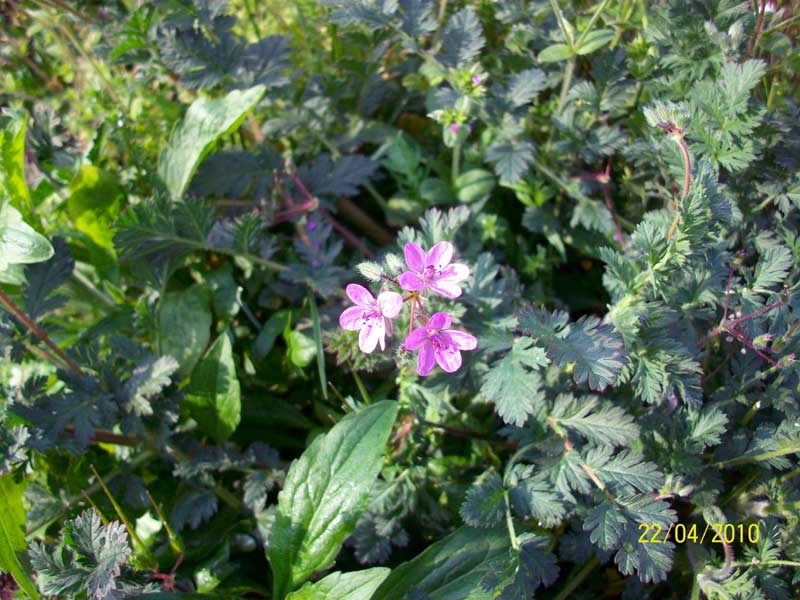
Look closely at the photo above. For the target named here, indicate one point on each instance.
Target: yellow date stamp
(716, 533)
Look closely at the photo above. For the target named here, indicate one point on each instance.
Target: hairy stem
(757, 30)
(569, 71)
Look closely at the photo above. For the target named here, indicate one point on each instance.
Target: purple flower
(438, 344)
(454, 128)
(370, 317)
(433, 270)
(476, 80)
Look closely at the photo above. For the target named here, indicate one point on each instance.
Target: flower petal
(460, 339)
(359, 294)
(446, 289)
(452, 273)
(369, 335)
(415, 257)
(351, 318)
(449, 358)
(411, 282)
(440, 320)
(415, 338)
(390, 304)
(440, 255)
(425, 360)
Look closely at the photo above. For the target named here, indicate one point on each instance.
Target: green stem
(577, 579)
(768, 563)
(455, 163)
(600, 8)
(781, 25)
(252, 17)
(512, 533)
(360, 384)
(569, 70)
(757, 457)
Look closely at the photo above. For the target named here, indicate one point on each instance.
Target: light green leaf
(19, 243)
(95, 199)
(12, 160)
(213, 394)
(326, 490)
(356, 585)
(184, 322)
(13, 547)
(474, 185)
(301, 348)
(452, 568)
(595, 40)
(555, 53)
(205, 122)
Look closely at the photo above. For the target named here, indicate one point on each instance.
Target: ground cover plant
(400, 299)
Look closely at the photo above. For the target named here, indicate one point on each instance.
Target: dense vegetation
(400, 299)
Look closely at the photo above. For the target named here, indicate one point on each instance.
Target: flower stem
(687, 180)
(455, 165)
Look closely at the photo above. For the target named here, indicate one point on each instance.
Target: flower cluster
(432, 336)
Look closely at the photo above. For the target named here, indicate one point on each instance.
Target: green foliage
(324, 492)
(187, 187)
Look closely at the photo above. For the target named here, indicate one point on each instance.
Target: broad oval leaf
(326, 490)
(213, 394)
(356, 585)
(184, 324)
(595, 40)
(555, 53)
(12, 159)
(205, 122)
(450, 569)
(474, 185)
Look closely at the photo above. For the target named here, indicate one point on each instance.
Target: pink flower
(433, 270)
(438, 344)
(370, 317)
(454, 128)
(476, 80)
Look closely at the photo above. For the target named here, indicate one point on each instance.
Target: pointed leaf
(212, 396)
(326, 490)
(204, 123)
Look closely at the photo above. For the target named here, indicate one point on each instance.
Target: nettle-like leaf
(513, 383)
(483, 505)
(417, 17)
(530, 567)
(511, 158)
(598, 422)
(87, 560)
(462, 39)
(624, 472)
(148, 380)
(44, 278)
(596, 348)
(524, 86)
(534, 497)
(341, 178)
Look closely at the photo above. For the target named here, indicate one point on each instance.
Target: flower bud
(370, 270)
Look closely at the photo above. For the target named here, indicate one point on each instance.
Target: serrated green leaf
(513, 384)
(325, 491)
(13, 547)
(355, 585)
(484, 504)
(204, 123)
(450, 569)
(213, 394)
(554, 53)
